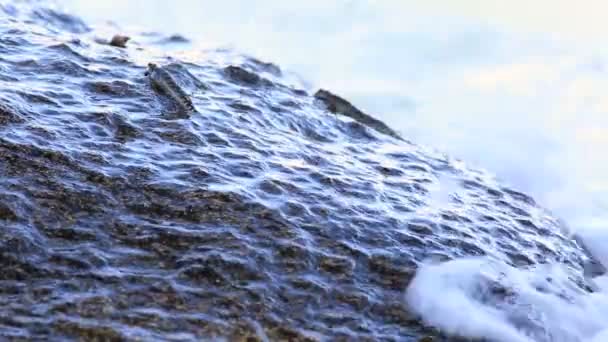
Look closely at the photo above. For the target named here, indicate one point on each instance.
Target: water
(487, 83)
(263, 215)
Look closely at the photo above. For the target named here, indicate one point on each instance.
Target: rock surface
(119, 41)
(262, 217)
(338, 105)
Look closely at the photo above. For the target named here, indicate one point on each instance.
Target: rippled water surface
(261, 215)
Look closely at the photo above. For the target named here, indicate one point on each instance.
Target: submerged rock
(174, 39)
(162, 81)
(119, 41)
(338, 105)
(258, 217)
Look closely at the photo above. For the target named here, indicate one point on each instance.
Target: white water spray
(482, 298)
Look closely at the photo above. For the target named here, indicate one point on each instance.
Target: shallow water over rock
(263, 215)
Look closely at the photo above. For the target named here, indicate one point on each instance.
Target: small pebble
(119, 41)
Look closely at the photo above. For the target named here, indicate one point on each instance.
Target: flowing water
(262, 215)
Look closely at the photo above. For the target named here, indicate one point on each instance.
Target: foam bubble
(482, 298)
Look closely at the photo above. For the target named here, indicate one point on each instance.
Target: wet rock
(338, 105)
(59, 20)
(519, 196)
(289, 334)
(174, 39)
(119, 41)
(394, 311)
(591, 267)
(245, 77)
(390, 272)
(257, 218)
(421, 228)
(38, 98)
(89, 332)
(336, 265)
(265, 66)
(8, 115)
(6, 213)
(388, 171)
(114, 88)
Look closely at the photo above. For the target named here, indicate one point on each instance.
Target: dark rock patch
(119, 41)
(338, 105)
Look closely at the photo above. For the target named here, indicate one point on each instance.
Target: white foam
(443, 295)
(595, 240)
(481, 298)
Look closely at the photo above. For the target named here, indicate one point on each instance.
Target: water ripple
(264, 214)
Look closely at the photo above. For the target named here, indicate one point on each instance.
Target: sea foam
(484, 298)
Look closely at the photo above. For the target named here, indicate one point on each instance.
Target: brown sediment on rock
(8, 115)
(338, 105)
